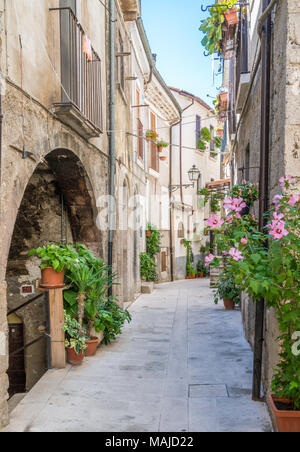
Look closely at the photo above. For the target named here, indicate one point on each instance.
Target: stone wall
(83, 182)
(284, 143)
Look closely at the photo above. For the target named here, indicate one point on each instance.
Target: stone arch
(61, 175)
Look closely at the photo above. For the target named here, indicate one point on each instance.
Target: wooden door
(16, 371)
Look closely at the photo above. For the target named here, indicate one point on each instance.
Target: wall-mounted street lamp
(193, 174)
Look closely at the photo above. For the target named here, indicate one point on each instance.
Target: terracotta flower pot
(201, 275)
(73, 358)
(148, 233)
(163, 158)
(223, 102)
(92, 345)
(51, 279)
(159, 148)
(231, 17)
(286, 421)
(229, 304)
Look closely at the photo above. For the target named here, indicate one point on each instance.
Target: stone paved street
(183, 365)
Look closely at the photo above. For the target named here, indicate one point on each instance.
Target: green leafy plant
(148, 268)
(218, 142)
(212, 27)
(115, 321)
(162, 144)
(147, 260)
(201, 268)
(55, 255)
(227, 288)
(190, 272)
(151, 135)
(95, 297)
(153, 240)
(75, 335)
(83, 279)
(267, 266)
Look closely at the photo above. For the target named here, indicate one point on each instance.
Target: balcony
(131, 9)
(80, 105)
(242, 73)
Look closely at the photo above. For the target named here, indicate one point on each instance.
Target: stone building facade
(54, 164)
(244, 126)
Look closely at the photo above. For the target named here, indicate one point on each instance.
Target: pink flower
(286, 182)
(285, 302)
(278, 231)
(228, 203)
(229, 219)
(244, 241)
(294, 199)
(238, 204)
(254, 218)
(278, 216)
(236, 254)
(238, 216)
(215, 222)
(277, 199)
(209, 259)
(225, 253)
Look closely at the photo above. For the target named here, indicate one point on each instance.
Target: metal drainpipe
(171, 203)
(180, 151)
(1, 120)
(264, 190)
(111, 138)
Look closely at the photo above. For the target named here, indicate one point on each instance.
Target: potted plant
(95, 316)
(228, 291)
(231, 17)
(83, 278)
(201, 269)
(220, 131)
(163, 158)
(216, 25)
(223, 101)
(161, 145)
(55, 258)
(75, 340)
(151, 135)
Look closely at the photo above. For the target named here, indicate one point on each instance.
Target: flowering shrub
(267, 266)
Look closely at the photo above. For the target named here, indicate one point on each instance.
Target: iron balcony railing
(80, 75)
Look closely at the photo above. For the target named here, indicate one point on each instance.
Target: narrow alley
(182, 365)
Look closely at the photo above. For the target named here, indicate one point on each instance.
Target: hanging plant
(161, 145)
(151, 135)
(218, 142)
(222, 17)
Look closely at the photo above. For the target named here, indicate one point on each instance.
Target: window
(198, 130)
(181, 230)
(140, 128)
(154, 154)
(121, 67)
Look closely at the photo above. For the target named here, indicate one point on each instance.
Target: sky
(172, 27)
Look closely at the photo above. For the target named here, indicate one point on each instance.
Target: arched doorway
(58, 205)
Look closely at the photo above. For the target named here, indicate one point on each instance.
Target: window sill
(153, 173)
